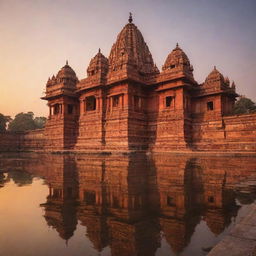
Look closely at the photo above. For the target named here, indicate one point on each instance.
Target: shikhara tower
(125, 103)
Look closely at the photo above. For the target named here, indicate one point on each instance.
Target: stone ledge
(241, 241)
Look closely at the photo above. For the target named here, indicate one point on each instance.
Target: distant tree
(3, 179)
(26, 121)
(22, 122)
(40, 122)
(3, 122)
(20, 178)
(244, 105)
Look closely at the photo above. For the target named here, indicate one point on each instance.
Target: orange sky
(38, 36)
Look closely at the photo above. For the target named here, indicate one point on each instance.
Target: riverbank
(241, 241)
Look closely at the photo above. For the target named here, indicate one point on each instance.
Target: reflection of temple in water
(60, 208)
(130, 202)
(3, 179)
(115, 205)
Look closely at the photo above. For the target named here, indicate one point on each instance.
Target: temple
(127, 104)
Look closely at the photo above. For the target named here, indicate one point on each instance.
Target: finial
(214, 68)
(99, 50)
(66, 62)
(130, 17)
(177, 45)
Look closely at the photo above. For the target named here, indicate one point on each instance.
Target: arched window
(56, 109)
(168, 101)
(90, 103)
(90, 197)
(137, 103)
(210, 105)
(70, 109)
(115, 102)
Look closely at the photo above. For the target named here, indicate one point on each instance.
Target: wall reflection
(130, 202)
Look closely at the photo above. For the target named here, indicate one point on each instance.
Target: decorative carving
(131, 53)
(98, 65)
(178, 60)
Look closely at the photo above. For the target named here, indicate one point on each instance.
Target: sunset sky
(36, 38)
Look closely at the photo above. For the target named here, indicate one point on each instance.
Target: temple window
(115, 102)
(90, 103)
(70, 109)
(137, 102)
(211, 199)
(170, 201)
(168, 101)
(89, 197)
(57, 193)
(172, 66)
(137, 203)
(69, 192)
(115, 202)
(209, 105)
(56, 109)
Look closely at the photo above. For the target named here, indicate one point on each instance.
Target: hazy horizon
(37, 37)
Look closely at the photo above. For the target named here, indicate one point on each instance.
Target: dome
(130, 49)
(98, 64)
(214, 76)
(66, 72)
(177, 58)
(227, 81)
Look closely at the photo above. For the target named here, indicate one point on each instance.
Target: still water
(120, 205)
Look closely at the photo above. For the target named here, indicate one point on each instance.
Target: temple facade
(126, 103)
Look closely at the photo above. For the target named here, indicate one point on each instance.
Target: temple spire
(130, 17)
(99, 50)
(66, 62)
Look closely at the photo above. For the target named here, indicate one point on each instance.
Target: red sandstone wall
(240, 132)
(116, 121)
(231, 133)
(22, 141)
(10, 141)
(33, 140)
(61, 128)
(138, 118)
(170, 125)
(90, 122)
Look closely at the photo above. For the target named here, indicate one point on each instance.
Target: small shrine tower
(61, 127)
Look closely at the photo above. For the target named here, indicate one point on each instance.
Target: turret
(67, 75)
(177, 60)
(98, 65)
(130, 54)
(215, 80)
(63, 84)
(217, 94)
(60, 129)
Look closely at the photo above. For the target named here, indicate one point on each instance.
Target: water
(120, 205)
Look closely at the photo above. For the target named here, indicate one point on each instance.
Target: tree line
(27, 121)
(21, 122)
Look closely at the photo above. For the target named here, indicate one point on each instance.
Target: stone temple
(126, 103)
